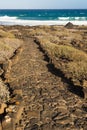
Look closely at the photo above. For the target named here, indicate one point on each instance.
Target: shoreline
(38, 22)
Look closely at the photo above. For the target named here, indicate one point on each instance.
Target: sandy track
(48, 104)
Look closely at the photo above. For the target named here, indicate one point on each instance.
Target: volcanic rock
(69, 25)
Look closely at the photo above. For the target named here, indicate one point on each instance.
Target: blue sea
(45, 16)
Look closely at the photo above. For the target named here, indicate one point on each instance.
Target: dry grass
(71, 61)
(4, 46)
(6, 34)
(8, 47)
(59, 35)
(66, 49)
(78, 70)
(37, 32)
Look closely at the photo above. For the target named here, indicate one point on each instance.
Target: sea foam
(6, 20)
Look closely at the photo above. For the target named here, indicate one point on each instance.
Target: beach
(43, 77)
(38, 22)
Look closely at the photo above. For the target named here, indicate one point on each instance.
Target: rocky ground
(40, 97)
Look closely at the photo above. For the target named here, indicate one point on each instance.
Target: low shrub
(71, 61)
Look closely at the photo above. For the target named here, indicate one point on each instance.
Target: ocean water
(43, 17)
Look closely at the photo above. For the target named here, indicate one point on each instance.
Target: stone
(2, 107)
(7, 119)
(17, 103)
(69, 25)
(11, 108)
(8, 124)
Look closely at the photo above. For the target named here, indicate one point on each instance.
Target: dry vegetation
(67, 50)
(72, 62)
(8, 45)
(6, 34)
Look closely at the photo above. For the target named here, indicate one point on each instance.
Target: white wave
(64, 18)
(6, 20)
(80, 18)
(71, 18)
(76, 18)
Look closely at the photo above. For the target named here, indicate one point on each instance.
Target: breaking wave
(7, 20)
(72, 18)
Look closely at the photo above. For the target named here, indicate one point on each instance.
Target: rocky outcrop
(69, 25)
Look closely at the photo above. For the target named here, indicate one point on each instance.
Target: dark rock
(69, 25)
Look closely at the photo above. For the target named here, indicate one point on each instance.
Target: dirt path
(48, 105)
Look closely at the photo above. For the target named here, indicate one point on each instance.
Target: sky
(43, 4)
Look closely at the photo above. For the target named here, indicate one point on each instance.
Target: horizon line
(41, 9)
